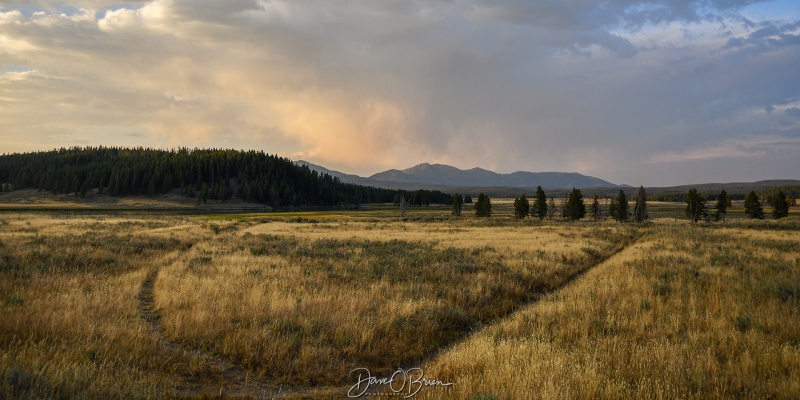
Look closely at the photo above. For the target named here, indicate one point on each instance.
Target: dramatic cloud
(653, 93)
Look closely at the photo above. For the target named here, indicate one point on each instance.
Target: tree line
(218, 174)
(619, 209)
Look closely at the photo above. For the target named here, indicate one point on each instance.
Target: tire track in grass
(441, 351)
(231, 380)
(235, 381)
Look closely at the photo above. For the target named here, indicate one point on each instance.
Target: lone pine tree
(780, 207)
(640, 208)
(695, 206)
(723, 202)
(576, 209)
(483, 206)
(752, 206)
(619, 207)
(540, 204)
(521, 207)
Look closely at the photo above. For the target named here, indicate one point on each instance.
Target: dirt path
(238, 382)
(430, 358)
(235, 381)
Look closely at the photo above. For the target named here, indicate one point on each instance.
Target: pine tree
(483, 207)
(723, 202)
(576, 209)
(619, 207)
(594, 209)
(540, 204)
(695, 206)
(752, 206)
(521, 207)
(780, 207)
(612, 209)
(457, 204)
(640, 208)
(551, 209)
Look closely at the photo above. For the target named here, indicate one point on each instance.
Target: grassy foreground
(308, 303)
(701, 312)
(711, 312)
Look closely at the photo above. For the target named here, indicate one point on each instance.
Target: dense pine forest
(253, 176)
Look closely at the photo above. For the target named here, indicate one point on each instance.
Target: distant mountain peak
(446, 175)
(443, 175)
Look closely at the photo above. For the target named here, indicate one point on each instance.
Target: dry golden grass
(307, 303)
(710, 311)
(70, 321)
(699, 313)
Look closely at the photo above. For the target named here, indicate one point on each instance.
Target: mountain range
(440, 176)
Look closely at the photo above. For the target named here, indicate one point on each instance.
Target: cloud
(754, 147)
(364, 86)
(770, 34)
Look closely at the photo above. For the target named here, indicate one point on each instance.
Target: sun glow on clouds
(364, 86)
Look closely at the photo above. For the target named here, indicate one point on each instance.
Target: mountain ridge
(443, 175)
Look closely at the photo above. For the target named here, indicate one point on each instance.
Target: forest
(217, 174)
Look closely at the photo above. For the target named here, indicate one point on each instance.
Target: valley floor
(288, 305)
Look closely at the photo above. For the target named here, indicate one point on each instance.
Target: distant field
(286, 305)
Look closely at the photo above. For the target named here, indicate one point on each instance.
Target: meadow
(286, 305)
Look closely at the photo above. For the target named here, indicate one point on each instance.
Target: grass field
(286, 305)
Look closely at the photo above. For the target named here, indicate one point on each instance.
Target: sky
(642, 93)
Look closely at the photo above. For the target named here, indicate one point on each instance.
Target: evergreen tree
(640, 208)
(695, 206)
(780, 207)
(521, 207)
(483, 207)
(551, 209)
(612, 209)
(457, 204)
(594, 209)
(467, 199)
(576, 209)
(752, 206)
(619, 207)
(540, 204)
(723, 202)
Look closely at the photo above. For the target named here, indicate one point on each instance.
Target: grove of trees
(253, 176)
